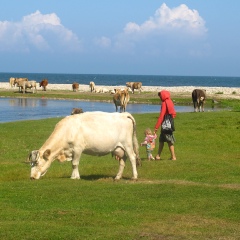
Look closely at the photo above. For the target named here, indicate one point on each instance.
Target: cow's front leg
(121, 168)
(75, 164)
(75, 172)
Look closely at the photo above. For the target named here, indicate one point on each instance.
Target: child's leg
(149, 155)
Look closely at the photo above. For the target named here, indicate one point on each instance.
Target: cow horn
(33, 156)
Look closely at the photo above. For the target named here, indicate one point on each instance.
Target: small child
(149, 142)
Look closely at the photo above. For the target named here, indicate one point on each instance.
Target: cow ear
(46, 154)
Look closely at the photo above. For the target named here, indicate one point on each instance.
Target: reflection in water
(43, 102)
(22, 102)
(14, 109)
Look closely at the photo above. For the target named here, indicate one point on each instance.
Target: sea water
(119, 80)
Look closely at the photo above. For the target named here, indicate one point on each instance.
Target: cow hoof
(75, 177)
(117, 178)
(134, 179)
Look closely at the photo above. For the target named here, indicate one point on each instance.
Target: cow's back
(101, 121)
(95, 125)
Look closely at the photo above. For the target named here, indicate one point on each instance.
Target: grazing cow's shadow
(94, 177)
(101, 178)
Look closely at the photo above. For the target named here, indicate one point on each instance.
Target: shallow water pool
(15, 109)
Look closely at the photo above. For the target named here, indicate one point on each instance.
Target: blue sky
(200, 38)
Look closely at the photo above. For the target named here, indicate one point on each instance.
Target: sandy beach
(219, 92)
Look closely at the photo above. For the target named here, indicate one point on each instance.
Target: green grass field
(195, 197)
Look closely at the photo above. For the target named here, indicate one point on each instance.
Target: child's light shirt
(150, 141)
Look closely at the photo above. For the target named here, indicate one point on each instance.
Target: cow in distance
(198, 98)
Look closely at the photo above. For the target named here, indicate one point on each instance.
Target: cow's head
(39, 163)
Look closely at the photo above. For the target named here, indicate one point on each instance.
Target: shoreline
(220, 92)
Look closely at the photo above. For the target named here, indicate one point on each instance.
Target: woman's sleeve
(161, 116)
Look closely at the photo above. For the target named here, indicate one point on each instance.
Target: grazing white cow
(92, 133)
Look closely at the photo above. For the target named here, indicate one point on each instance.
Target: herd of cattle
(24, 83)
(75, 134)
(121, 97)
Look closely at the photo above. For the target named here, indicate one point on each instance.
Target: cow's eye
(33, 164)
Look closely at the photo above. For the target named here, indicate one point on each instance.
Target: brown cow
(44, 84)
(134, 85)
(121, 98)
(198, 98)
(76, 111)
(75, 86)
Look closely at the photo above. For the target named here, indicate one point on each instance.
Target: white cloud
(103, 42)
(177, 31)
(37, 31)
(169, 20)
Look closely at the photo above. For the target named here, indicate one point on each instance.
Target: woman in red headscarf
(167, 107)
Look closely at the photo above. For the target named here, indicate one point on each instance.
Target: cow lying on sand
(198, 98)
(92, 133)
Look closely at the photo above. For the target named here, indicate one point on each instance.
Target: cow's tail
(135, 141)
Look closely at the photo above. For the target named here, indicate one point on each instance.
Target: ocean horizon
(121, 79)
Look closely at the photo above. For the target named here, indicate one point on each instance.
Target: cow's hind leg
(195, 106)
(132, 158)
(121, 157)
(121, 168)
